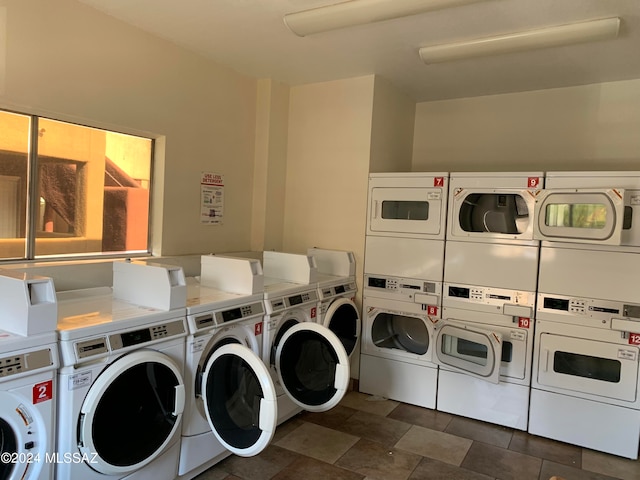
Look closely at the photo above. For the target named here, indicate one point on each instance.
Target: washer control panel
(12, 365)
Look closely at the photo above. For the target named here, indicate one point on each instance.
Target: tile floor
(369, 438)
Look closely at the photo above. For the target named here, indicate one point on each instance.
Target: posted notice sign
(211, 198)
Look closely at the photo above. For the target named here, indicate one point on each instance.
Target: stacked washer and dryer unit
(403, 275)
(484, 343)
(28, 383)
(121, 379)
(586, 376)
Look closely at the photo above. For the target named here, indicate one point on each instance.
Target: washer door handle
(180, 400)
(546, 360)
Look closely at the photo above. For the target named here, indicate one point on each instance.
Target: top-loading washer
(336, 293)
(28, 390)
(121, 378)
(231, 402)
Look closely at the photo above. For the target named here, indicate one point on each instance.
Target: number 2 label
(42, 392)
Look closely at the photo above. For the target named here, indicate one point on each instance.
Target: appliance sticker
(433, 196)
(42, 392)
(197, 345)
(634, 338)
(627, 354)
(314, 312)
(79, 380)
(517, 335)
(524, 322)
(257, 329)
(635, 200)
(533, 182)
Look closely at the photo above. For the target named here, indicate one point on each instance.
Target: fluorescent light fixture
(529, 40)
(358, 12)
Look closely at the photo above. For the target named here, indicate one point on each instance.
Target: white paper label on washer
(635, 199)
(433, 196)
(197, 345)
(517, 335)
(79, 380)
(627, 354)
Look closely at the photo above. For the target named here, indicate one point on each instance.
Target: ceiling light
(358, 12)
(529, 40)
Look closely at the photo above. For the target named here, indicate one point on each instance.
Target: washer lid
(131, 412)
(312, 366)
(240, 400)
(343, 319)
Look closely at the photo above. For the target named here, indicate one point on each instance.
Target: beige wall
(272, 119)
(70, 62)
(392, 129)
(587, 127)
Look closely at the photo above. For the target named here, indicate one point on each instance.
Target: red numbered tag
(432, 310)
(42, 391)
(438, 181)
(313, 312)
(524, 322)
(533, 182)
(634, 339)
(257, 329)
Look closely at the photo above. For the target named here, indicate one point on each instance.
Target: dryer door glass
(8, 445)
(503, 213)
(131, 411)
(240, 400)
(397, 331)
(312, 366)
(581, 216)
(470, 350)
(588, 366)
(343, 319)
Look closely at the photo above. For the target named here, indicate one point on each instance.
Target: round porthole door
(343, 319)
(312, 366)
(131, 412)
(240, 400)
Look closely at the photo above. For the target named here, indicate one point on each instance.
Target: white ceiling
(251, 37)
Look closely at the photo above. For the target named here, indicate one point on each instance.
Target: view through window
(72, 190)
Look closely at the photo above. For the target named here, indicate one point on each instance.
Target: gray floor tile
(481, 431)
(379, 462)
(501, 463)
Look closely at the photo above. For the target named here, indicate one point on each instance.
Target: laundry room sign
(211, 198)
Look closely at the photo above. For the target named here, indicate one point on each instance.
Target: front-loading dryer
(121, 388)
(308, 363)
(231, 402)
(28, 390)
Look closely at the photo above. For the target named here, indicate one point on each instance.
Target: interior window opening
(409, 334)
(405, 210)
(576, 215)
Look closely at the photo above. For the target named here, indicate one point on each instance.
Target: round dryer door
(343, 319)
(240, 400)
(131, 412)
(313, 366)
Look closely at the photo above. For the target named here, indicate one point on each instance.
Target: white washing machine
(28, 391)
(337, 290)
(307, 361)
(231, 404)
(121, 388)
(484, 346)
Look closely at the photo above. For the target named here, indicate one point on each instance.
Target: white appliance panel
(404, 257)
(594, 274)
(493, 265)
(504, 404)
(398, 380)
(590, 424)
